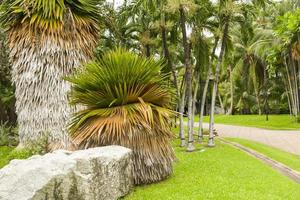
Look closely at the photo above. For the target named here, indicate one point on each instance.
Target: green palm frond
(48, 14)
(128, 102)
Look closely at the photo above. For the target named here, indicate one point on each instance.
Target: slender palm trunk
(221, 103)
(194, 101)
(215, 87)
(170, 64)
(167, 53)
(257, 98)
(266, 106)
(209, 75)
(230, 111)
(189, 75)
(288, 94)
(181, 120)
(290, 89)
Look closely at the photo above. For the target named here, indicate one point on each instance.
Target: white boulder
(103, 173)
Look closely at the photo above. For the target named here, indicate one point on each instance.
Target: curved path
(282, 139)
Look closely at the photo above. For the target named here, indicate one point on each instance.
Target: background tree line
(233, 57)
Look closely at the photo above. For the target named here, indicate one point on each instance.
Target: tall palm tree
(182, 7)
(48, 40)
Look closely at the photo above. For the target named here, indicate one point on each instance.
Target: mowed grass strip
(291, 160)
(219, 173)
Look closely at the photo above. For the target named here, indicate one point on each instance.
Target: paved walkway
(286, 140)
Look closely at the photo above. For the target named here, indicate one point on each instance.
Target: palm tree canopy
(121, 85)
(49, 15)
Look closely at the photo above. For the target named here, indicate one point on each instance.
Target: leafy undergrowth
(291, 160)
(276, 122)
(9, 153)
(219, 173)
(4, 152)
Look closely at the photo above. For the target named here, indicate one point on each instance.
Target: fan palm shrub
(48, 39)
(127, 102)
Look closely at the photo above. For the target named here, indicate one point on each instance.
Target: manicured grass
(219, 173)
(291, 160)
(4, 152)
(276, 122)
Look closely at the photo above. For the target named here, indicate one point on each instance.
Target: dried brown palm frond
(127, 102)
(48, 41)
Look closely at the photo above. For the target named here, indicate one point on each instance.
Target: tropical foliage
(226, 56)
(126, 101)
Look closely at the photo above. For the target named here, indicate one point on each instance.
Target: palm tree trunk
(257, 99)
(215, 87)
(167, 53)
(221, 103)
(291, 92)
(189, 75)
(288, 94)
(181, 120)
(231, 91)
(209, 75)
(266, 106)
(194, 102)
(39, 64)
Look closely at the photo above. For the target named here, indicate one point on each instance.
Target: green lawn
(4, 153)
(276, 122)
(291, 160)
(220, 173)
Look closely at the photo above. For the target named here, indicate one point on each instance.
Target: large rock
(99, 173)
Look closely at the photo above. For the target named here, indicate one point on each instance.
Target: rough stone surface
(103, 173)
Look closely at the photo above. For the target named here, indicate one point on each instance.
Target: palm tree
(225, 19)
(48, 40)
(127, 102)
(181, 7)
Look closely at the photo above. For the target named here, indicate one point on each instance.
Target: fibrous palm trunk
(215, 87)
(40, 61)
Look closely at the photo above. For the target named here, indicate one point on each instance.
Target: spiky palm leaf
(48, 40)
(127, 102)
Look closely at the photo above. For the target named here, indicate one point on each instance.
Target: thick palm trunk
(215, 87)
(204, 94)
(40, 61)
(189, 74)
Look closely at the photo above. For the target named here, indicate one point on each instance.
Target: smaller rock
(103, 173)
